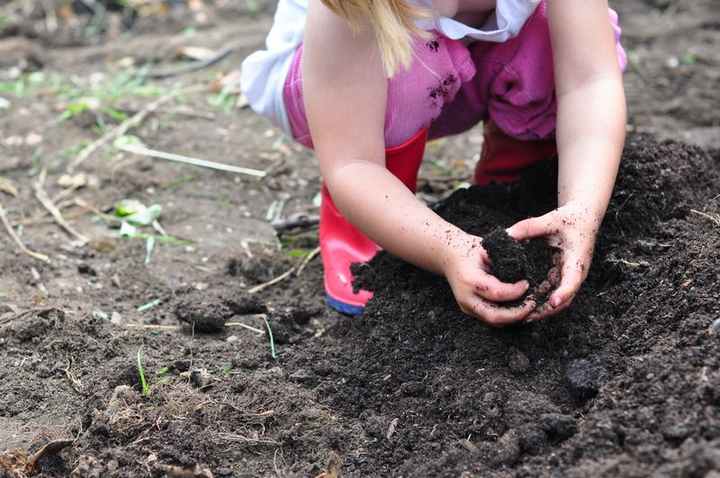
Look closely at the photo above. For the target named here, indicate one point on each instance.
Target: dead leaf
(197, 53)
(7, 186)
(14, 464)
(77, 181)
(52, 448)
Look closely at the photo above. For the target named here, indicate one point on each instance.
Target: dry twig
(128, 124)
(300, 222)
(296, 269)
(74, 381)
(179, 158)
(713, 217)
(14, 236)
(194, 66)
(179, 327)
(274, 281)
(45, 200)
(313, 254)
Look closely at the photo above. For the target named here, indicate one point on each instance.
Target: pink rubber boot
(342, 244)
(503, 157)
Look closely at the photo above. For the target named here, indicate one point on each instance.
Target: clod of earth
(513, 260)
(208, 315)
(584, 379)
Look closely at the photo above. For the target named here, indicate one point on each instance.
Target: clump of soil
(513, 260)
(208, 313)
(614, 379)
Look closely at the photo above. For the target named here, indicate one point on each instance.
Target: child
(366, 83)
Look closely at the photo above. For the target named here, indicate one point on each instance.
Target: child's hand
(572, 229)
(478, 292)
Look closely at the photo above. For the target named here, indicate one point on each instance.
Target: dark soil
(600, 390)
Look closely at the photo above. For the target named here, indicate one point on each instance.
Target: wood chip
(8, 187)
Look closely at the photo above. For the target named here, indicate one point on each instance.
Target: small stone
(715, 327)
(116, 318)
(518, 362)
(584, 379)
(200, 378)
(33, 139)
(232, 339)
(181, 365)
(87, 270)
(4, 103)
(99, 315)
(507, 448)
(412, 389)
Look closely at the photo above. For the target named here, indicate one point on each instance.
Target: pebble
(116, 318)
(412, 389)
(715, 327)
(507, 448)
(4, 103)
(200, 378)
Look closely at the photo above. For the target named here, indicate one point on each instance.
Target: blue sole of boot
(343, 308)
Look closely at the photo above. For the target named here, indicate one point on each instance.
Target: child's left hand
(571, 229)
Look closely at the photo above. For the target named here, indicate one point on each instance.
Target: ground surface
(626, 383)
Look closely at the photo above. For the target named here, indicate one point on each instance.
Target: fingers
(546, 310)
(490, 288)
(496, 316)
(571, 278)
(533, 227)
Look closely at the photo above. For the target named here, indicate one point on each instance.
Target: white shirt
(264, 72)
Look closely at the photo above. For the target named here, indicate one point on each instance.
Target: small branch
(76, 384)
(14, 236)
(713, 217)
(194, 66)
(307, 260)
(128, 124)
(172, 328)
(279, 278)
(245, 326)
(45, 200)
(178, 158)
(301, 222)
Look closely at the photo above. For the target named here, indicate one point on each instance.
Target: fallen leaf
(7, 186)
(197, 53)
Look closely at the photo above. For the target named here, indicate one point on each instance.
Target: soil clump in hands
(513, 261)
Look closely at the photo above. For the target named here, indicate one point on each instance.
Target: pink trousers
(450, 86)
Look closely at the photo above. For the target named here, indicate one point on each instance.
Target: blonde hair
(393, 22)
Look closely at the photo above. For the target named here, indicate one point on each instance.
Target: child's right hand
(478, 293)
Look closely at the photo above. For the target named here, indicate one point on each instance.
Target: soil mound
(623, 383)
